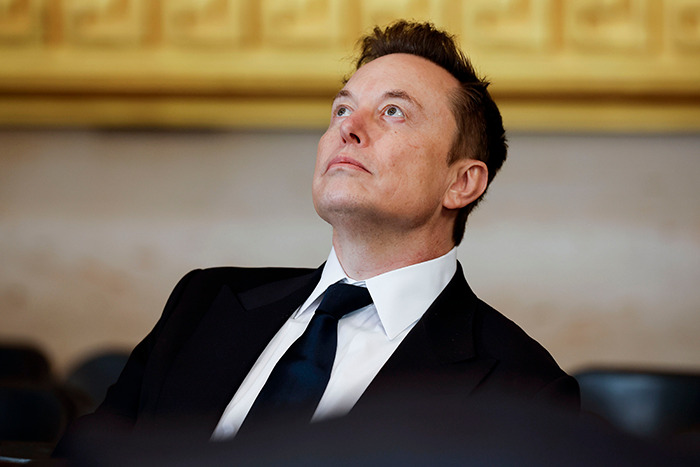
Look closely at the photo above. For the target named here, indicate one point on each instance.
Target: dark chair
(23, 362)
(33, 413)
(655, 404)
(89, 380)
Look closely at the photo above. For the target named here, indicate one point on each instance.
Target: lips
(345, 161)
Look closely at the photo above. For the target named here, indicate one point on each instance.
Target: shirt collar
(400, 296)
(332, 273)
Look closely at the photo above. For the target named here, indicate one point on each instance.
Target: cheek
(420, 173)
(322, 151)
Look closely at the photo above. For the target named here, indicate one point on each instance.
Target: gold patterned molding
(621, 65)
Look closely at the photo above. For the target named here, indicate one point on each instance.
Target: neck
(363, 257)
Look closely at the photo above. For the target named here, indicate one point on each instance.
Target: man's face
(383, 159)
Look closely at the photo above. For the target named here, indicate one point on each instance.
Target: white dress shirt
(366, 337)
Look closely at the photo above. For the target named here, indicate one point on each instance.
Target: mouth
(346, 162)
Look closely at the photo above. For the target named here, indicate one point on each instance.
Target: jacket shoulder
(501, 338)
(523, 363)
(200, 286)
(240, 279)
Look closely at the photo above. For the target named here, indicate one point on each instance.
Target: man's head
(480, 134)
(420, 126)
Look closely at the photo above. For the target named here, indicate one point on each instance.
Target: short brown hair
(480, 134)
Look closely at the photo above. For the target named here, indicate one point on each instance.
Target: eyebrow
(391, 94)
(403, 95)
(342, 93)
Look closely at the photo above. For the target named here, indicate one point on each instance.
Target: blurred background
(142, 139)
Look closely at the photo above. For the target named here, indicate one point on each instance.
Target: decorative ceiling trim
(554, 64)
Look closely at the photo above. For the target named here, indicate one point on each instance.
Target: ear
(471, 178)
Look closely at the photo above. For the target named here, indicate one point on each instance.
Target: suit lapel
(439, 350)
(228, 340)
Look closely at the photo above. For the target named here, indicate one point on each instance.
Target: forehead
(420, 78)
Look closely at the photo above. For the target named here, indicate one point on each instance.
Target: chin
(336, 208)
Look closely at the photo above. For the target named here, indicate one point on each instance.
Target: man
(413, 142)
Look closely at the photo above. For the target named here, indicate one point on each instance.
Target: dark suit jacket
(218, 321)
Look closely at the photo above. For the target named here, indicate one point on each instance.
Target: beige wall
(591, 243)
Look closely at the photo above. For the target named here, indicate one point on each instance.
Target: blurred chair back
(23, 363)
(643, 403)
(90, 378)
(31, 413)
(33, 410)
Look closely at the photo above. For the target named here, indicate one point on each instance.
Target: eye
(342, 111)
(393, 111)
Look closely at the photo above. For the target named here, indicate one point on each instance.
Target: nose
(353, 129)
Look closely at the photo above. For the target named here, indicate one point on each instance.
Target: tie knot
(340, 299)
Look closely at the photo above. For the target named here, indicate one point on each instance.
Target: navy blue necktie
(299, 379)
